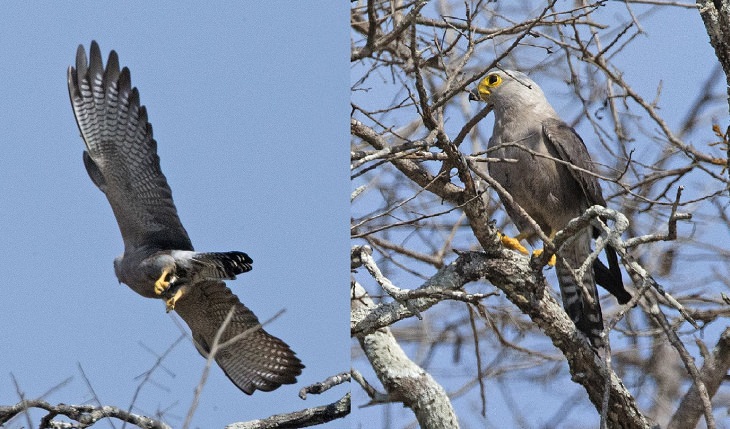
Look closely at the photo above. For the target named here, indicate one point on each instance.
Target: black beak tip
(473, 96)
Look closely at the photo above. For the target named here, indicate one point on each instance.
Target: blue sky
(249, 103)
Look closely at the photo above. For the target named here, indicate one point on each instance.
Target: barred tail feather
(223, 265)
(585, 312)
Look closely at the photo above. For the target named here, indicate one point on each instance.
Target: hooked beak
(480, 93)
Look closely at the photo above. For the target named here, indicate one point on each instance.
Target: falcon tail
(584, 311)
(223, 265)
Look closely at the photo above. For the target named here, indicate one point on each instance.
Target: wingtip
(134, 97)
(270, 384)
(624, 297)
(81, 60)
(125, 80)
(95, 50)
(96, 65)
(276, 365)
(71, 80)
(111, 74)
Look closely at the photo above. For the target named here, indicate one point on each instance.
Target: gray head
(507, 90)
(118, 267)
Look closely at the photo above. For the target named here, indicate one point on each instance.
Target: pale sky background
(249, 104)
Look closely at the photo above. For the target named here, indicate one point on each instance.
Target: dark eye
(493, 79)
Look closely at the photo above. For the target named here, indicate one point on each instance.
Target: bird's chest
(524, 167)
(528, 171)
(140, 270)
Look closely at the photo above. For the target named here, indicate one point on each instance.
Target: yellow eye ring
(484, 88)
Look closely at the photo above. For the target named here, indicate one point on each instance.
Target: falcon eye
(493, 80)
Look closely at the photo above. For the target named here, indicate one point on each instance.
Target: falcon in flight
(159, 260)
(528, 129)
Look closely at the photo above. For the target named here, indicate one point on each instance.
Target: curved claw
(170, 303)
(161, 285)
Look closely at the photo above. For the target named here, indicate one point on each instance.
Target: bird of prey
(528, 129)
(159, 260)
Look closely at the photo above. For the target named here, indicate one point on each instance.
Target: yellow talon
(170, 303)
(512, 243)
(552, 260)
(161, 284)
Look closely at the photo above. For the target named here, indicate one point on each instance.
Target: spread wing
(121, 155)
(257, 361)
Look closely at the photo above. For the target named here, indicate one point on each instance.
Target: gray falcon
(551, 193)
(159, 260)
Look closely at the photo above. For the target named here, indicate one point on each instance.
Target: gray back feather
(571, 148)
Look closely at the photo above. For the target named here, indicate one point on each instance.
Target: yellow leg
(170, 303)
(513, 243)
(161, 284)
(538, 252)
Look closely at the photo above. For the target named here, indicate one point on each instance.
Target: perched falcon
(552, 193)
(159, 260)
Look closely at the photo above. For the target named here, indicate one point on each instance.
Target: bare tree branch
(713, 372)
(404, 381)
(85, 415)
(300, 419)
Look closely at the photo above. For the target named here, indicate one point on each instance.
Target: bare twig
(302, 418)
(85, 415)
